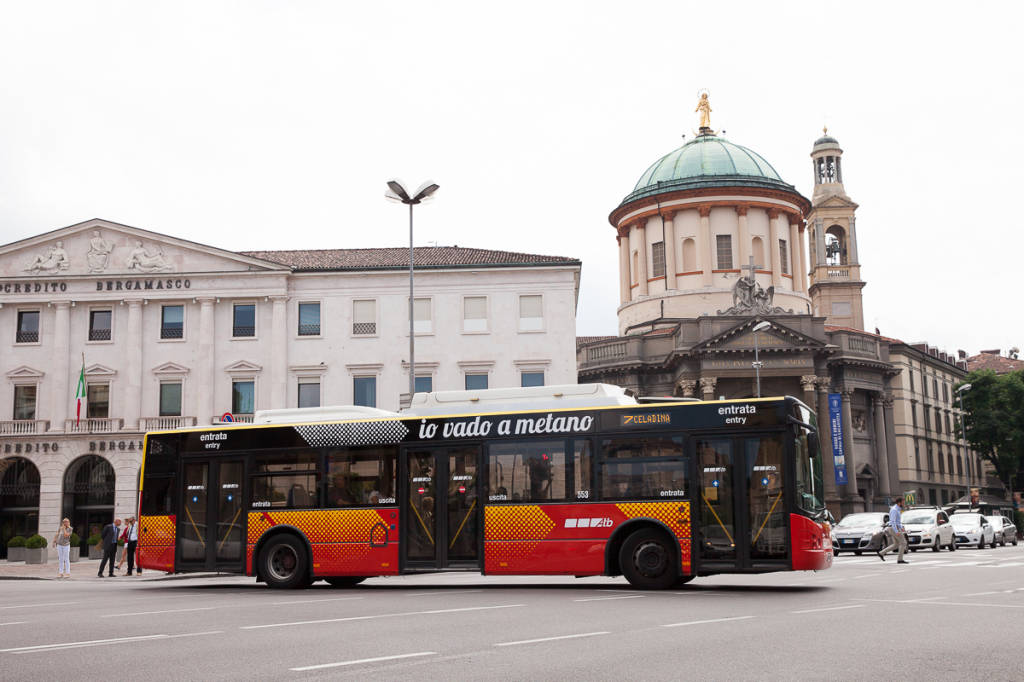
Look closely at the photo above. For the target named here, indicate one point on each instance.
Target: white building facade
(172, 333)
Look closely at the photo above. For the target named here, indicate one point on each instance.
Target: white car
(928, 527)
(1004, 528)
(973, 529)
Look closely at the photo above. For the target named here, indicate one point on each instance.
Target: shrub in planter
(16, 548)
(35, 550)
(95, 550)
(76, 547)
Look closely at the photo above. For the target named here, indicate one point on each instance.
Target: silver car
(1004, 529)
(859, 533)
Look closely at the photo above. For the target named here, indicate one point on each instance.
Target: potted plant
(35, 550)
(95, 550)
(16, 548)
(76, 548)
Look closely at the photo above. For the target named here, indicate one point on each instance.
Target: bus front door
(441, 508)
(742, 510)
(211, 528)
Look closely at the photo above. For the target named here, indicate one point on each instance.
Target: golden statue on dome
(704, 107)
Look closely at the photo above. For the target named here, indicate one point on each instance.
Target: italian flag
(80, 394)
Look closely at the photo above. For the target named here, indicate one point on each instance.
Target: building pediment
(170, 369)
(97, 370)
(25, 372)
(836, 201)
(740, 339)
(100, 248)
(243, 367)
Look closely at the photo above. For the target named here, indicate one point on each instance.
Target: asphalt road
(945, 615)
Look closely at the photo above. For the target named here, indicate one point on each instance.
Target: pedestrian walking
(895, 533)
(131, 542)
(108, 539)
(62, 541)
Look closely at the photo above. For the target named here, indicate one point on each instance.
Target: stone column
(819, 242)
(890, 444)
(670, 249)
(279, 351)
(803, 259)
(825, 436)
(807, 383)
(794, 269)
(206, 381)
(687, 387)
(881, 451)
(773, 247)
(743, 250)
(707, 249)
(851, 460)
(132, 409)
(707, 387)
(641, 252)
(61, 366)
(624, 281)
(851, 256)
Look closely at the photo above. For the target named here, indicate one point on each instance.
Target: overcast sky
(274, 125)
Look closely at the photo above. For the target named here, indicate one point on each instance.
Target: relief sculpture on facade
(750, 298)
(52, 262)
(99, 252)
(141, 260)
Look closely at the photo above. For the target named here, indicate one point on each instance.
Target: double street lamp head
(398, 192)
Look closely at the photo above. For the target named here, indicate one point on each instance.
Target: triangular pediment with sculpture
(776, 336)
(103, 248)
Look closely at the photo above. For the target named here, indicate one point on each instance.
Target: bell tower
(835, 283)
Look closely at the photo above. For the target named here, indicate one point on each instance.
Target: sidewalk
(85, 569)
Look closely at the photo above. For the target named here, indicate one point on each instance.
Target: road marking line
(70, 645)
(153, 613)
(431, 594)
(312, 601)
(831, 608)
(15, 622)
(551, 639)
(702, 622)
(944, 603)
(380, 615)
(625, 596)
(28, 606)
(362, 660)
(866, 575)
(978, 594)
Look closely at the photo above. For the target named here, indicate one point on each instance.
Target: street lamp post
(963, 435)
(397, 192)
(760, 326)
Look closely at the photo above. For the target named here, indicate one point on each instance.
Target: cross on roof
(752, 268)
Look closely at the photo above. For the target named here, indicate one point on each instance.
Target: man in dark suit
(108, 539)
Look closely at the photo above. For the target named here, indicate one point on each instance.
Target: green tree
(994, 420)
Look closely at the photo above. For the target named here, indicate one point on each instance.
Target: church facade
(733, 284)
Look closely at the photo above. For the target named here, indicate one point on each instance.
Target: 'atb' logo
(588, 523)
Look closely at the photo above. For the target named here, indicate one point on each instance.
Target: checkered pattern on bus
(156, 542)
(517, 530)
(385, 432)
(334, 525)
(675, 515)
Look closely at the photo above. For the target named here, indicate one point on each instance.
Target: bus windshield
(809, 484)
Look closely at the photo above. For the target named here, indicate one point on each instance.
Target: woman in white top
(62, 541)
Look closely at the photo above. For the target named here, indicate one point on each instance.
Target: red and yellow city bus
(573, 480)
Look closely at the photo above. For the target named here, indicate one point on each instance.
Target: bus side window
(361, 476)
(527, 471)
(583, 471)
(157, 496)
(285, 480)
(651, 467)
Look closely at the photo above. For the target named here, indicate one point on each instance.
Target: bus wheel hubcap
(283, 562)
(650, 559)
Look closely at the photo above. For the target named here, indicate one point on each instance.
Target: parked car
(928, 527)
(1004, 529)
(973, 529)
(859, 533)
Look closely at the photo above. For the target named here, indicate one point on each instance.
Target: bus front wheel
(648, 560)
(283, 563)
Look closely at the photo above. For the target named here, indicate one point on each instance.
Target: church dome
(707, 161)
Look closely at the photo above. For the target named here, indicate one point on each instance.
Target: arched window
(757, 251)
(19, 500)
(959, 465)
(689, 255)
(89, 495)
(835, 245)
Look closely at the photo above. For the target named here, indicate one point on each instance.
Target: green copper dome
(707, 161)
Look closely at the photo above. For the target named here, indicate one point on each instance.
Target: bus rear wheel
(344, 581)
(648, 560)
(283, 563)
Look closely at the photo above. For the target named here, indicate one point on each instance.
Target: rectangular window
(25, 402)
(309, 319)
(531, 379)
(724, 242)
(309, 393)
(938, 420)
(285, 480)
(424, 384)
(364, 318)
(364, 391)
(97, 398)
(421, 322)
(244, 320)
(172, 322)
(945, 392)
(658, 259)
(243, 396)
(912, 381)
(913, 413)
(476, 382)
(783, 257)
(474, 314)
(533, 471)
(643, 468)
(170, 399)
(361, 477)
(99, 325)
(935, 388)
(531, 313)
(28, 327)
